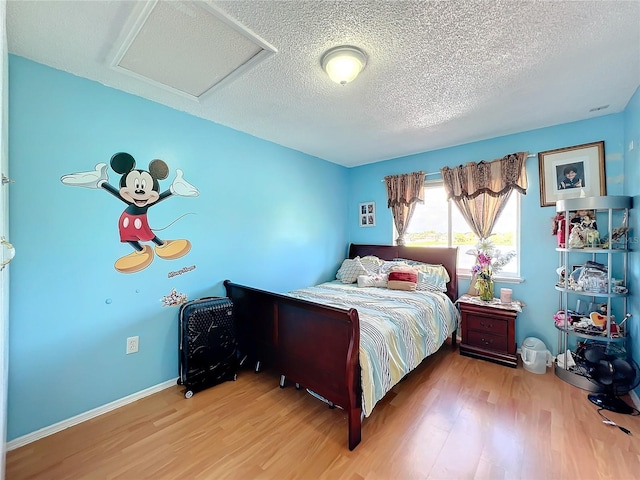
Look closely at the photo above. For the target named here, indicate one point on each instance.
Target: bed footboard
(314, 345)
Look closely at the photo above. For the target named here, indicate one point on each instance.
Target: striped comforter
(398, 329)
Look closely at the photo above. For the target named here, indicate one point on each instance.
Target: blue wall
(632, 188)
(539, 259)
(266, 215)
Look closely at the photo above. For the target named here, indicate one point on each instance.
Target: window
(438, 223)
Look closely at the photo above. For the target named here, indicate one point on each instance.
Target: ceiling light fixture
(344, 63)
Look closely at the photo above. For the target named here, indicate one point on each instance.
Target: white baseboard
(83, 417)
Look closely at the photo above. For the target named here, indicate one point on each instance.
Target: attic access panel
(190, 48)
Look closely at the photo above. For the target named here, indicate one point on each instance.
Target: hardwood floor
(454, 417)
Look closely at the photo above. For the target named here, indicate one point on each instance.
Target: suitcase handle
(199, 300)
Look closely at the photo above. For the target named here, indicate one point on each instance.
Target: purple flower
(484, 260)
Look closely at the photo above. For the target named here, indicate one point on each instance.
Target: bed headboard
(445, 256)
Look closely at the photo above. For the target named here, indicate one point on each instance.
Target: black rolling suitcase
(208, 347)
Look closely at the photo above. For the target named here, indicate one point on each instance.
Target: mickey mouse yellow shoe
(136, 261)
(172, 249)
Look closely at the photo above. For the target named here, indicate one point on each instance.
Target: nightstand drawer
(487, 324)
(486, 340)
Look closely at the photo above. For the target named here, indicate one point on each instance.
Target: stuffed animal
(560, 318)
(598, 320)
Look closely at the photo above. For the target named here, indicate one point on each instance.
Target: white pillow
(372, 281)
(371, 263)
(350, 269)
(387, 265)
(432, 277)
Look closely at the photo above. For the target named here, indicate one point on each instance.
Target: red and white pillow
(402, 278)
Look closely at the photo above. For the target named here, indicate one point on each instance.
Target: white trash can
(534, 355)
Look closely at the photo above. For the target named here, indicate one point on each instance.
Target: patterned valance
(494, 178)
(405, 189)
(403, 192)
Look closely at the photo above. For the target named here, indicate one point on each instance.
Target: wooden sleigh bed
(318, 346)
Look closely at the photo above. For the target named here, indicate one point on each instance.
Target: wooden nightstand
(489, 330)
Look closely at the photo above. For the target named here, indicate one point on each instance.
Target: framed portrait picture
(572, 172)
(367, 215)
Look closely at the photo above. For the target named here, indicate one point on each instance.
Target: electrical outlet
(132, 344)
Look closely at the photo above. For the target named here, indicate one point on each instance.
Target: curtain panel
(403, 192)
(481, 190)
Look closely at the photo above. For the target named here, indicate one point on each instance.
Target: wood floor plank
(454, 417)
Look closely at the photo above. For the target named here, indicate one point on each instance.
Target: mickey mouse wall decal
(139, 189)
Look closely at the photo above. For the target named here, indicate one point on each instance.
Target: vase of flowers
(485, 289)
(484, 277)
(489, 260)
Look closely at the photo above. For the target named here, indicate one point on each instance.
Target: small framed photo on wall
(367, 214)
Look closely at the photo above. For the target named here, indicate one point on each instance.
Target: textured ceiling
(439, 73)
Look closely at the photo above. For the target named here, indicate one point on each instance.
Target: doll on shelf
(585, 218)
(558, 226)
(585, 230)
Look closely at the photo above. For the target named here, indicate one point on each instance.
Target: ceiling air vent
(190, 48)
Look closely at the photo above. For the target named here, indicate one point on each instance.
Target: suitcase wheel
(235, 377)
(188, 394)
(179, 381)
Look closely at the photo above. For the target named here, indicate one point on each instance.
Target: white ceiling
(439, 73)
